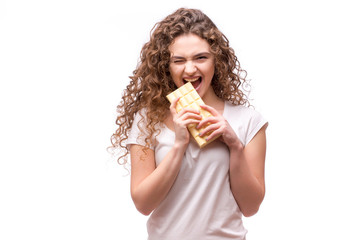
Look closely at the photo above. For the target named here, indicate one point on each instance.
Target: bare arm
(247, 173)
(151, 184)
(246, 163)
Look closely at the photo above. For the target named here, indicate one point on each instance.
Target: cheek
(210, 70)
(175, 75)
(174, 72)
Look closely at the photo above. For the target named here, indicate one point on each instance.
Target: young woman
(191, 193)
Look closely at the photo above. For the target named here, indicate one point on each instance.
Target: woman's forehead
(188, 44)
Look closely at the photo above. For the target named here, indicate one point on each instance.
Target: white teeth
(191, 79)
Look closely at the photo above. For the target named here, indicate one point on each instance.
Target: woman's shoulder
(140, 115)
(243, 115)
(245, 120)
(240, 110)
(141, 122)
(139, 130)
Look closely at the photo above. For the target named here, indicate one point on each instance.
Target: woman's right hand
(181, 120)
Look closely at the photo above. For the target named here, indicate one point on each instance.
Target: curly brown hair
(151, 80)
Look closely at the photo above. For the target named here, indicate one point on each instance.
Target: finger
(186, 122)
(188, 115)
(210, 110)
(190, 121)
(173, 106)
(209, 129)
(213, 135)
(208, 120)
(211, 132)
(191, 110)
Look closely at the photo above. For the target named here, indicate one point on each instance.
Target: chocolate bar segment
(190, 98)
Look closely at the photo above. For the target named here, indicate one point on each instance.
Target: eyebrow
(196, 55)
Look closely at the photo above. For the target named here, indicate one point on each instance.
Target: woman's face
(192, 61)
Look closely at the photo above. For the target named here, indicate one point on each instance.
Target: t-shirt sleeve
(136, 136)
(256, 122)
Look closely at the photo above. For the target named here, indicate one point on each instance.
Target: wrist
(236, 146)
(180, 146)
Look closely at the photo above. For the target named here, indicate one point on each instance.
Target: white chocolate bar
(191, 99)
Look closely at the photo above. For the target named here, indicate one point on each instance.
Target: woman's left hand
(217, 125)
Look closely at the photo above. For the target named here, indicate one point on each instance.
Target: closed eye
(177, 60)
(201, 58)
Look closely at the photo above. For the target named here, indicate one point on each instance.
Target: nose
(190, 68)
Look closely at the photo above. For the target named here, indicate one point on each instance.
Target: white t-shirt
(200, 204)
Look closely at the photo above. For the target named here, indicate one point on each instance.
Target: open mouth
(194, 81)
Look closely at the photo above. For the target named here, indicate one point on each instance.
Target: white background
(64, 64)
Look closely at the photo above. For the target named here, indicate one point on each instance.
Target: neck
(212, 100)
